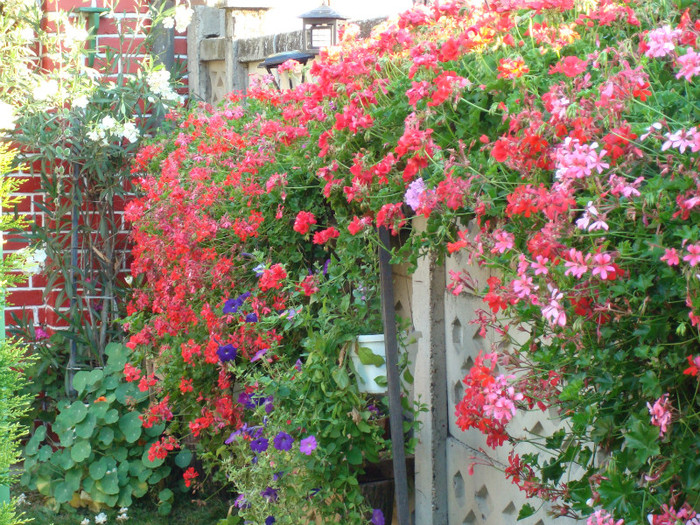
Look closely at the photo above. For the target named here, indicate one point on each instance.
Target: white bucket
(366, 374)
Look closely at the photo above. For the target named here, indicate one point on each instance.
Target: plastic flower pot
(368, 358)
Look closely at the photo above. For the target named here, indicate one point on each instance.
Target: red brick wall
(27, 300)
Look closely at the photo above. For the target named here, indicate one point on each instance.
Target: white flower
(183, 17)
(86, 521)
(159, 83)
(22, 499)
(7, 116)
(35, 263)
(122, 517)
(73, 35)
(101, 518)
(168, 22)
(80, 102)
(93, 136)
(130, 132)
(107, 123)
(45, 90)
(123, 510)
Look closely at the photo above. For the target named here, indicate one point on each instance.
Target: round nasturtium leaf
(130, 425)
(106, 436)
(183, 458)
(109, 484)
(62, 492)
(138, 487)
(86, 427)
(166, 495)
(80, 450)
(164, 509)
(33, 444)
(112, 416)
(98, 469)
(63, 459)
(75, 413)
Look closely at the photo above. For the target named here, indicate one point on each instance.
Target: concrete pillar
(431, 388)
(207, 24)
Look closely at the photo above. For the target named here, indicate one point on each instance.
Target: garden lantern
(320, 28)
(272, 63)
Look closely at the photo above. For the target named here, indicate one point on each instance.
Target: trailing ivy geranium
(563, 132)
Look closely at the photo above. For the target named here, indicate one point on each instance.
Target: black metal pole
(393, 379)
(73, 359)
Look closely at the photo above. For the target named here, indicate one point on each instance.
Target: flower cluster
(562, 135)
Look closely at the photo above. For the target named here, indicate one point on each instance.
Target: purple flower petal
(258, 355)
(308, 445)
(283, 441)
(259, 445)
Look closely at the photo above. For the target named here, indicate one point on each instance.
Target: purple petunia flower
(251, 318)
(308, 445)
(241, 502)
(270, 520)
(232, 305)
(269, 494)
(227, 353)
(297, 365)
(377, 517)
(258, 355)
(283, 441)
(325, 267)
(259, 445)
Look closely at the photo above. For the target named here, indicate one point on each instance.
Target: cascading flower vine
(562, 132)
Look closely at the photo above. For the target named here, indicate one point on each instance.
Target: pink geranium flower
(660, 414)
(603, 265)
(693, 257)
(670, 257)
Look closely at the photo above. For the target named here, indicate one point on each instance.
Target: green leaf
(106, 436)
(86, 428)
(85, 380)
(112, 416)
(354, 456)
(526, 511)
(98, 469)
(155, 430)
(33, 444)
(45, 453)
(341, 378)
(80, 450)
(138, 487)
(99, 410)
(164, 509)
(643, 438)
(62, 492)
(183, 458)
(130, 425)
(166, 495)
(367, 357)
(109, 484)
(75, 413)
(73, 477)
(126, 392)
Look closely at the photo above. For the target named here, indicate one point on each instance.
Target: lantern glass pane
(321, 36)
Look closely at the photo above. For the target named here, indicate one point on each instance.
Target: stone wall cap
(244, 4)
